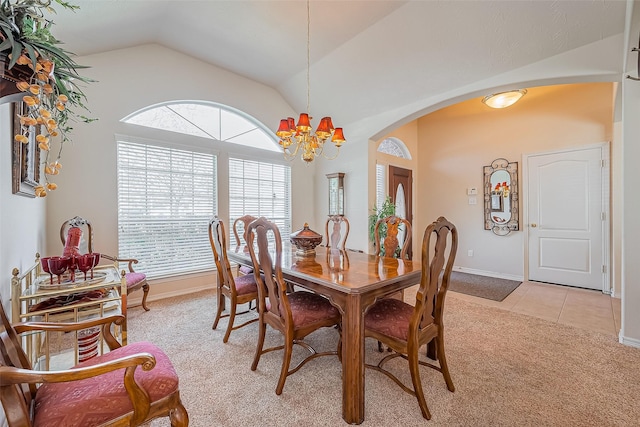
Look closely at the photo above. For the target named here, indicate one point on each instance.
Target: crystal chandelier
(310, 144)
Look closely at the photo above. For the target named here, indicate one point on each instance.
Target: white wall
(22, 219)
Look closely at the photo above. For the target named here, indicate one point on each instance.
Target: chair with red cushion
(77, 237)
(405, 328)
(240, 290)
(240, 226)
(129, 385)
(295, 315)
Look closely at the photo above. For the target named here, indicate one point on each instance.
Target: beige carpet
(508, 369)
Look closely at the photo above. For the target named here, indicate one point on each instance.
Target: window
(260, 189)
(213, 121)
(166, 198)
(381, 181)
(394, 147)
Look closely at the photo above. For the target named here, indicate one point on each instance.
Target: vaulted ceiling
(367, 56)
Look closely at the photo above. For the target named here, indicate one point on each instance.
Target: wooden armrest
(11, 375)
(139, 397)
(106, 322)
(129, 261)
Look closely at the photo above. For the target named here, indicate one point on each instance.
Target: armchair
(107, 390)
(76, 235)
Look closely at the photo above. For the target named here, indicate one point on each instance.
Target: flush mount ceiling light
(504, 99)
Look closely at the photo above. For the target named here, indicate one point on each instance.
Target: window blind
(260, 189)
(380, 185)
(166, 198)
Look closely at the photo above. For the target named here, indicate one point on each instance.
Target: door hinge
(603, 163)
(604, 268)
(603, 216)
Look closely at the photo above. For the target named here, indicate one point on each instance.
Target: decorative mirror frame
(336, 193)
(514, 223)
(25, 160)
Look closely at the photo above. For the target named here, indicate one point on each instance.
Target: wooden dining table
(352, 281)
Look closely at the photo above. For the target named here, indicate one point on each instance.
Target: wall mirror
(501, 197)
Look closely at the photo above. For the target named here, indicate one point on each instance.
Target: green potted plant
(45, 73)
(387, 209)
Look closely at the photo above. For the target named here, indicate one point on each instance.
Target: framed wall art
(25, 157)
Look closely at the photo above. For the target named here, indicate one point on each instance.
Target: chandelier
(300, 137)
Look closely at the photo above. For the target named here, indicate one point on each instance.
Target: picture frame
(25, 170)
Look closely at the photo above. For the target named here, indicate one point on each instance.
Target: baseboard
(489, 273)
(155, 296)
(631, 342)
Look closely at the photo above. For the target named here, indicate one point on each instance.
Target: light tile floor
(581, 308)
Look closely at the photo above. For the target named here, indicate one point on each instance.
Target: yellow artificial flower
(48, 89)
(40, 191)
(63, 98)
(44, 146)
(22, 86)
(42, 138)
(52, 186)
(30, 100)
(21, 138)
(45, 113)
(34, 89)
(23, 60)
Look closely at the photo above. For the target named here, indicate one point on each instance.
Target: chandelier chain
(308, 56)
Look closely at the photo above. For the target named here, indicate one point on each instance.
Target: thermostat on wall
(472, 191)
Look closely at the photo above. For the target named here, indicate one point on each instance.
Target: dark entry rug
(482, 286)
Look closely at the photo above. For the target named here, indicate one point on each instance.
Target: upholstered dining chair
(336, 238)
(405, 328)
(76, 235)
(130, 385)
(386, 237)
(240, 290)
(295, 315)
(240, 226)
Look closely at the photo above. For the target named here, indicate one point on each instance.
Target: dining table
(352, 281)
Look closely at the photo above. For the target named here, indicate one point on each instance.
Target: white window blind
(166, 198)
(380, 185)
(260, 189)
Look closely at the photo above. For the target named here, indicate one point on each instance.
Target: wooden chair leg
(232, 318)
(179, 417)
(220, 308)
(286, 360)
(145, 289)
(417, 384)
(443, 363)
(261, 333)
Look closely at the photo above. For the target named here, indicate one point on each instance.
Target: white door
(566, 218)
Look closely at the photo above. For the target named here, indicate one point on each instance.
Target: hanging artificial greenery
(52, 97)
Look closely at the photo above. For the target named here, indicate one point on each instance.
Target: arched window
(167, 192)
(394, 147)
(207, 120)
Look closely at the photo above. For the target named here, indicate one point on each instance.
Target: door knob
(534, 225)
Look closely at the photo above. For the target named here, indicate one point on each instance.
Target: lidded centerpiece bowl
(305, 240)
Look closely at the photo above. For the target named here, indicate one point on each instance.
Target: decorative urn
(305, 240)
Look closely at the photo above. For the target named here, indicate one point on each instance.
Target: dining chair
(130, 385)
(243, 222)
(335, 237)
(240, 290)
(405, 328)
(76, 235)
(295, 315)
(386, 233)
